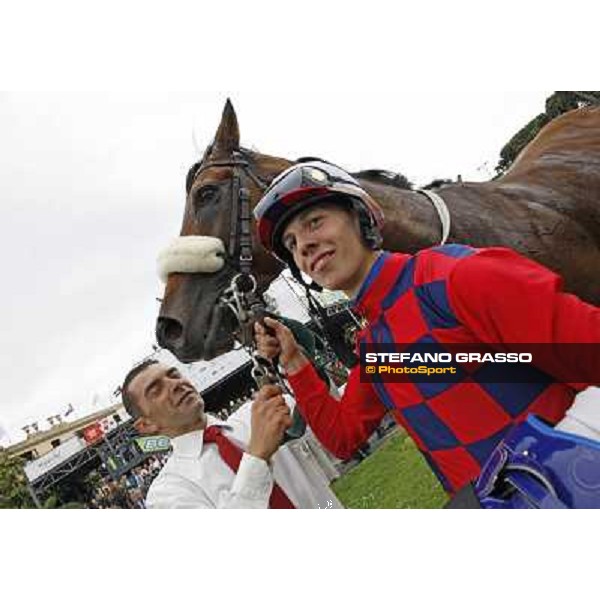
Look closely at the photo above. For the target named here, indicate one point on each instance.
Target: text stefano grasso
(446, 357)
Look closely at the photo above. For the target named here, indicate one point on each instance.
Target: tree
(13, 483)
(53, 502)
(556, 105)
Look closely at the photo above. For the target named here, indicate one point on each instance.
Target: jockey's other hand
(279, 342)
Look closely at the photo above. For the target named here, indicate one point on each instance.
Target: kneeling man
(236, 463)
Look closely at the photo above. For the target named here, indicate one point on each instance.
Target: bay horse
(547, 207)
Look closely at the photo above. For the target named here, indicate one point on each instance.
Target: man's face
(169, 403)
(326, 245)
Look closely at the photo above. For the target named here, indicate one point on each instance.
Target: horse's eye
(207, 193)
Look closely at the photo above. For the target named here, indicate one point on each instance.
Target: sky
(92, 187)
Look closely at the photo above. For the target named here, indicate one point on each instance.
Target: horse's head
(190, 323)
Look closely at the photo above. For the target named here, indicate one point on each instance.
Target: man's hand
(282, 344)
(270, 418)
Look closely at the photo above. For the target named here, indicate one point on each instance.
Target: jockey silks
(454, 295)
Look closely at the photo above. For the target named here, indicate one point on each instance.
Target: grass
(395, 476)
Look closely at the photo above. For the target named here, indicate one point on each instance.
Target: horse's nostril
(168, 330)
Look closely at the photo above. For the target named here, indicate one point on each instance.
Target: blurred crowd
(130, 490)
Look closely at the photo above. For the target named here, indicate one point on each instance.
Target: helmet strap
(323, 321)
(368, 229)
(330, 332)
(313, 286)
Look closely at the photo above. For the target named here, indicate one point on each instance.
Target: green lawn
(395, 476)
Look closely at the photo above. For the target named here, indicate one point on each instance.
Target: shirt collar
(382, 276)
(190, 444)
(373, 272)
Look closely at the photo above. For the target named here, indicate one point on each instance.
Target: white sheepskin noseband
(191, 254)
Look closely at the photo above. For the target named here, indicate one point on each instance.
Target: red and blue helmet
(302, 186)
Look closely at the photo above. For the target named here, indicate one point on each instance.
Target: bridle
(241, 296)
(240, 230)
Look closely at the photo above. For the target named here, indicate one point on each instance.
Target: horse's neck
(481, 214)
(411, 221)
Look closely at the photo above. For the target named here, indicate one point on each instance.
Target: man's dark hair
(128, 401)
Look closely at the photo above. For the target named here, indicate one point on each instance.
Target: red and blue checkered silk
(448, 295)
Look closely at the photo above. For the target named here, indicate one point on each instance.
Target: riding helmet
(304, 185)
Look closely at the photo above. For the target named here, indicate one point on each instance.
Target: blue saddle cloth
(536, 466)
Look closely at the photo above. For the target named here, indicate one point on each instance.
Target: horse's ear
(227, 138)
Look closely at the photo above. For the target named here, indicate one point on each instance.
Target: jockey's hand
(270, 418)
(267, 344)
(281, 342)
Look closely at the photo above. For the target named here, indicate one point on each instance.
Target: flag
(93, 433)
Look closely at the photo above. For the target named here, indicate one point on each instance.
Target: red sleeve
(507, 299)
(342, 426)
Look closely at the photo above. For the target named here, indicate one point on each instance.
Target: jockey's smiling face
(326, 244)
(168, 402)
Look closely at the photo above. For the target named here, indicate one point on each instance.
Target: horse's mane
(437, 183)
(396, 180)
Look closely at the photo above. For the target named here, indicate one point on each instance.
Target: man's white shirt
(195, 476)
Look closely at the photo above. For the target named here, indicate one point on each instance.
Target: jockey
(320, 222)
